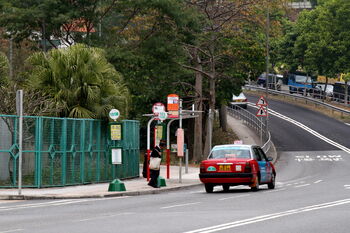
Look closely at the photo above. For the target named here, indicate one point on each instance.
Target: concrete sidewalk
(136, 186)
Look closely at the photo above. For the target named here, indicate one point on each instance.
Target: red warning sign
(261, 112)
(261, 102)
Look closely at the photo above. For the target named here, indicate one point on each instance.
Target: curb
(116, 194)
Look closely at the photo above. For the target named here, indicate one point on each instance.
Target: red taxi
(231, 165)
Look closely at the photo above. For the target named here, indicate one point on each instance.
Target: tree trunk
(208, 131)
(223, 117)
(198, 125)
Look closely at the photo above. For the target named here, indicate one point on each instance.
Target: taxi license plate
(225, 168)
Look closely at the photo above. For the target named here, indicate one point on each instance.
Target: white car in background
(240, 100)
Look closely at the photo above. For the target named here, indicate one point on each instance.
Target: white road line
(101, 217)
(55, 203)
(347, 124)
(311, 131)
(318, 181)
(269, 216)
(15, 230)
(276, 190)
(226, 198)
(303, 185)
(196, 192)
(180, 205)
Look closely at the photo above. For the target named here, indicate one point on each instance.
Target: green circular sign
(114, 114)
(162, 116)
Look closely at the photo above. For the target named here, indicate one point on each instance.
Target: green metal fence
(65, 151)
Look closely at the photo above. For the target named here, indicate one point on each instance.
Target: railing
(254, 123)
(304, 96)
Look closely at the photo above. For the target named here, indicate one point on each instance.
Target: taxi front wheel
(209, 188)
(255, 185)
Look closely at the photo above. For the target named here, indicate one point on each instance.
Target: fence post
(38, 148)
(82, 149)
(64, 151)
(98, 147)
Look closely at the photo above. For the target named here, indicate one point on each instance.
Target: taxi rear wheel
(209, 188)
(271, 185)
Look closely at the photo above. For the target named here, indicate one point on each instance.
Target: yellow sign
(116, 132)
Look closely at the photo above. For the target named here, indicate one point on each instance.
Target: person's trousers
(154, 174)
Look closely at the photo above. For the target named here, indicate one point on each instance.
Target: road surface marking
(269, 216)
(347, 124)
(15, 230)
(311, 131)
(310, 158)
(316, 182)
(303, 185)
(101, 217)
(180, 205)
(276, 190)
(56, 203)
(226, 198)
(45, 204)
(347, 186)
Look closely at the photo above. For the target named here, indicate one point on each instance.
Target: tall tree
(214, 56)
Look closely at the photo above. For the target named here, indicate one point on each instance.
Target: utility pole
(267, 57)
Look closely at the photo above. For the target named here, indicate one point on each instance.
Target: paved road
(289, 138)
(312, 195)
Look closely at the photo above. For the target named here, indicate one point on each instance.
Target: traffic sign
(261, 101)
(162, 116)
(261, 112)
(114, 114)
(157, 108)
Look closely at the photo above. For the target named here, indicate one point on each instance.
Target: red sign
(261, 112)
(173, 106)
(261, 102)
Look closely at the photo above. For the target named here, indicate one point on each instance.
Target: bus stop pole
(149, 146)
(180, 126)
(168, 149)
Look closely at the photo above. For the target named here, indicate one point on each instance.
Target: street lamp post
(267, 56)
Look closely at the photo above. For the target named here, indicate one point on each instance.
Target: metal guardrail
(306, 98)
(254, 123)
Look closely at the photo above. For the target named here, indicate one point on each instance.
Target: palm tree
(80, 81)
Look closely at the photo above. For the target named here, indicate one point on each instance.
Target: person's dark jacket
(156, 152)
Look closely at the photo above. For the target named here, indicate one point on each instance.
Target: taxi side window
(257, 154)
(263, 155)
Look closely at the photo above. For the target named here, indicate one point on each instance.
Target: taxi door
(263, 163)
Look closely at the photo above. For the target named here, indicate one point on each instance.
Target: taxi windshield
(220, 153)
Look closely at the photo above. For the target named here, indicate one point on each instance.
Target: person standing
(154, 174)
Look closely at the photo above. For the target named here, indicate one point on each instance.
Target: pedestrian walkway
(135, 186)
